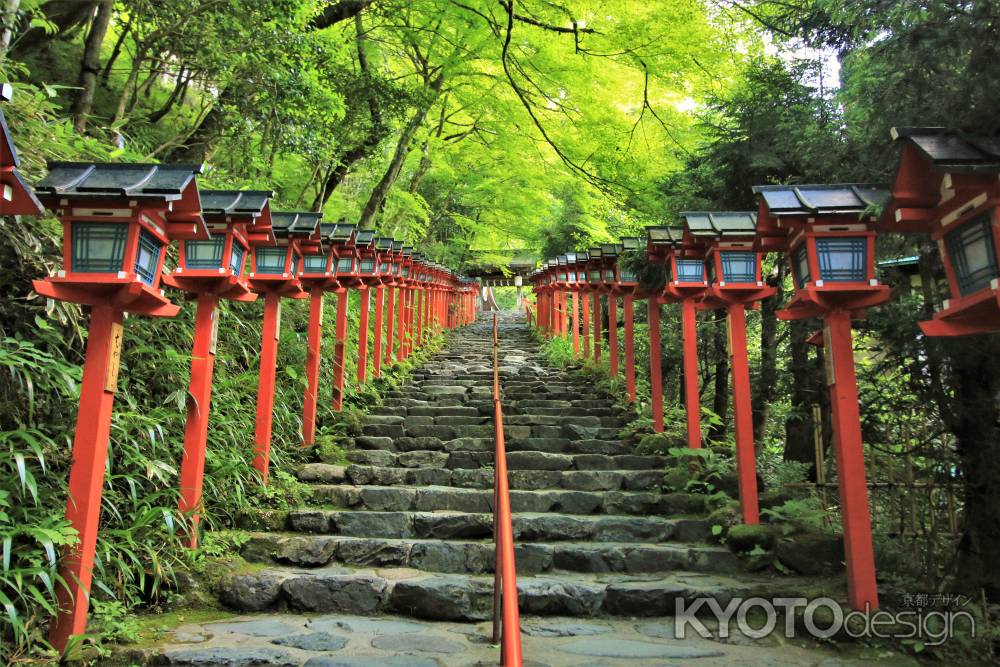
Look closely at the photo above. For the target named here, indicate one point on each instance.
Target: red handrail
(507, 633)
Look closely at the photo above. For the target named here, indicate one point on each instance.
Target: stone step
(394, 440)
(482, 478)
(457, 597)
(528, 526)
(430, 498)
(478, 557)
(526, 460)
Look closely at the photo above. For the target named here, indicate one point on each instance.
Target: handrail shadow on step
(506, 626)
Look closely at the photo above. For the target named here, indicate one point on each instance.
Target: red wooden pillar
(265, 384)
(861, 585)
(389, 314)
(419, 314)
(585, 307)
(199, 400)
(655, 372)
(366, 301)
(401, 324)
(692, 399)
(86, 477)
(340, 349)
(613, 334)
(575, 323)
(629, 347)
(315, 340)
(597, 326)
(563, 313)
(377, 345)
(746, 464)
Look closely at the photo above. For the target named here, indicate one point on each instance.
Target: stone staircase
(406, 527)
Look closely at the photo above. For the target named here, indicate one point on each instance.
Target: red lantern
(117, 222)
(828, 233)
(16, 197)
(276, 274)
(209, 270)
(946, 185)
(686, 283)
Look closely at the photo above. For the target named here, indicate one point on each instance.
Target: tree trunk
(799, 423)
(720, 399)
(183, 78)
(765, 390)
(377, 199)
(67, 15)
(974, 418)
(199, 144)
(90, 65)
(116, 51)
(8, 21)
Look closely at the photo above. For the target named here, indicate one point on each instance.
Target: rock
(579, 432)
(225, 656)
(419, 643)
(745, 538)
(309, 521)
(379, 475)
(251, 592)
(538, 461)
(543, 596)
(313, 641)
(423, 459)
(429, 476)
(370, 661)
(380, 498)
(361, 625)
(451, 526)
(377, 443)
(189, 637)
(631, 649)
(592, 480)
(305, 551)
(323, 472)
(563, 629)
(812, 554)
(353, 593)
(443, 598)
(373, 553)
(380, 524)
(533, 557)
(438, 557)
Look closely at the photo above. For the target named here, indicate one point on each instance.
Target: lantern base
(733, 294)
(130, 297)
(225, 287)
(323, 282)
(291, 289)
(977, 313)
(815, 301)
(673, 293)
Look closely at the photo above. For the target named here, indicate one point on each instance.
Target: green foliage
(796, 515)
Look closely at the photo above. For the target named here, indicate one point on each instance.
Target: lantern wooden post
(746, 466)
(313, 344)
(199, 398)
(401, 323)
(613, 334)
(585, 307)
(340, 349)
(86, 479)
(265, 384)
(628, 309)
(849, 452)
(655, 370)
(576, 324)
(377, 342)
(692, 399)
(366, 302)
(597, 326)
(389, 331)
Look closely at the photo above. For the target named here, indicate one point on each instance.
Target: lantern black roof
(630, 243)
(364, 237)
(338, 233)
(397, 246)
(383, 243)
(821, 199)
(609, 249)
(720, 223)
(663, 235)
(234, 202)
(286, 222)
(118, 179)
(952, 150)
